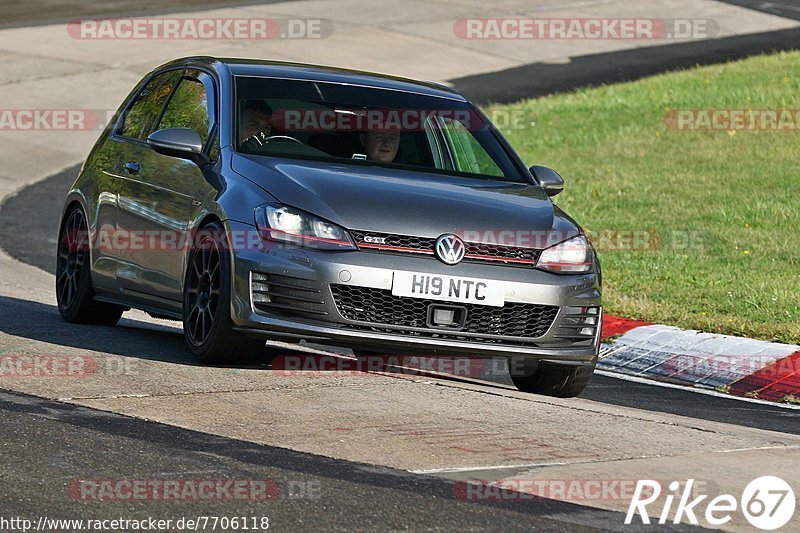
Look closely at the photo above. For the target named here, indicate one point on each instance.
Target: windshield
(367, 126)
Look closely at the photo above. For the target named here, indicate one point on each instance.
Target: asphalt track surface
(783, 8)
(34, 213)
(539, 79)
(48, 446)
(37, 12)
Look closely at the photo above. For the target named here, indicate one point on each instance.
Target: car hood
(388, 200)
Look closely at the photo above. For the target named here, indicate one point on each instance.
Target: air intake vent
(286, 295)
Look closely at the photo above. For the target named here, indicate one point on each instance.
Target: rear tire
(207, 325)
(74, 291)
(555, 380)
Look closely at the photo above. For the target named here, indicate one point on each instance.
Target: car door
(137, 119)
(160, 195)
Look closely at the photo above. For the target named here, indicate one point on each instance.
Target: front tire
(560, 381)
(207, 325)
(74, 291)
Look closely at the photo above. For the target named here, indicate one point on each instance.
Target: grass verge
(714, 214)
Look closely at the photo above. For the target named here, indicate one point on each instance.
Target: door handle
(132, 167)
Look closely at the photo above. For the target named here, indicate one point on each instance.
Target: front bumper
(323, 322)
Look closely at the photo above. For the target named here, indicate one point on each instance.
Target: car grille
(286, 295)
(423, 245)
(380, 306)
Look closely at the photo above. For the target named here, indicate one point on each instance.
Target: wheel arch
(204, 220)
(75, 198)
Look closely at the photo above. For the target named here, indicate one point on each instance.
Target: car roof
(303, 71)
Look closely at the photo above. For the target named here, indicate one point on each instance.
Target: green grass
(737, 196)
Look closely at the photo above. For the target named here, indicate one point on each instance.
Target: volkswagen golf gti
(259, 200)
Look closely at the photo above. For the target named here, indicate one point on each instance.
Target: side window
(188, 108)
(143, 114)
(468, 154)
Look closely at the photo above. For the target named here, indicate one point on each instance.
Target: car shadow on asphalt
(157, 342)
(130, 338)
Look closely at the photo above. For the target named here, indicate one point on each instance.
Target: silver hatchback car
(258, 200)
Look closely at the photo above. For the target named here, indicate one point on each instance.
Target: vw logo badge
(450, 249)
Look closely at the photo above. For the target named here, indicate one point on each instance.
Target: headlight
(286, 224)
(572, 256)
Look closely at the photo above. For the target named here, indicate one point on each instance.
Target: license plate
(449, 288)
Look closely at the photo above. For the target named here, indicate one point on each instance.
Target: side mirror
(184, 143)
(548, 179)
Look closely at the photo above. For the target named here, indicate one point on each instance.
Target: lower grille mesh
(380, 306)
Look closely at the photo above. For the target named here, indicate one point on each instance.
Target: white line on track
(457, 470)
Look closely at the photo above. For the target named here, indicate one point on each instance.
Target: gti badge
(450, 249)
(375, 240)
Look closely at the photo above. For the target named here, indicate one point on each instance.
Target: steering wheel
(281, 138)
(260, 140)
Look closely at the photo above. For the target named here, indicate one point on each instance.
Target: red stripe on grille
(394, 248)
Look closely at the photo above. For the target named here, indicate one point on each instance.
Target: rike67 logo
(767, 502)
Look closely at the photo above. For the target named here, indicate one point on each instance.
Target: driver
(381, 145)
(254, 120)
